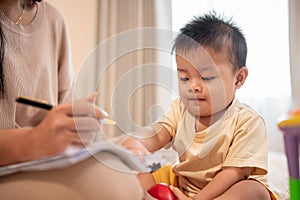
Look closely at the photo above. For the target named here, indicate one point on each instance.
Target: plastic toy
(161, 191)
(289, 124)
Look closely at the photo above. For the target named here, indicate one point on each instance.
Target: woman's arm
(50, 137)
(12, 145)
(61, 127)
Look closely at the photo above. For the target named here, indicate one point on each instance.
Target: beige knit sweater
(37, 63)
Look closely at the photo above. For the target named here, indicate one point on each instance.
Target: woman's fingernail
(104, 112)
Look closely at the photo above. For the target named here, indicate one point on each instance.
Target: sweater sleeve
(65, 67)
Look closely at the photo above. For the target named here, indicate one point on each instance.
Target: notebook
(73, 155)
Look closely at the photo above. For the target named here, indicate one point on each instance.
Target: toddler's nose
(195, 86)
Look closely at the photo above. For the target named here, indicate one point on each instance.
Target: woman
(35, 61)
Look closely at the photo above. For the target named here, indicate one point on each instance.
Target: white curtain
(130, 66)
(294, 28)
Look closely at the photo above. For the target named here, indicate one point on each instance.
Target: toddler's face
(206, 80)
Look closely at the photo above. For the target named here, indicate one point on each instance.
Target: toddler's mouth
(197, 99)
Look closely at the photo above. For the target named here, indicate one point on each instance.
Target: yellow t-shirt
(238, 139)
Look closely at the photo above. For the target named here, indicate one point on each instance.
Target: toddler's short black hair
(216, 32)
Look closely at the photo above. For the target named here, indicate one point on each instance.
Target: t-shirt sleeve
(249, 147)
(172, 117)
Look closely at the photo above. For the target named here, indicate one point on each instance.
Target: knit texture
(37, 63)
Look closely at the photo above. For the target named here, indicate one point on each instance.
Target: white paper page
(73, 155)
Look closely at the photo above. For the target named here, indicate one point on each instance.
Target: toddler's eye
(208, 78)
(184, 79)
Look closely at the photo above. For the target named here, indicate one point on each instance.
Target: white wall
(81, 17)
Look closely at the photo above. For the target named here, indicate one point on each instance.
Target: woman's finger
(87, 137)
(86, 123)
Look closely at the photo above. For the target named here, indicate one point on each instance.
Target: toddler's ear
(241, 77)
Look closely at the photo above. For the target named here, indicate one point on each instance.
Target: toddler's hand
(178, 194)
(135, 146)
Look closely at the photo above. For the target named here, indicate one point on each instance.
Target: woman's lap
(88, 180)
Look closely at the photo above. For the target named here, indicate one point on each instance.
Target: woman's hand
(65, 124)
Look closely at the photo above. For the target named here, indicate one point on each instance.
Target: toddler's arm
(146, 139)
(223, 181)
